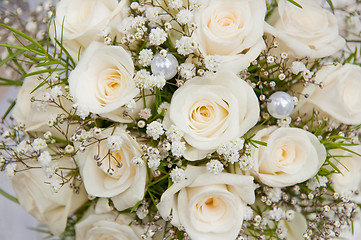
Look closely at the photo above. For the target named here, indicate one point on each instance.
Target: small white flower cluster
(145, 113)
(177, 175)
(212, 62)
(55, 92)
(316, 182)
(175, 4)
(144, 80)
(184, 16)
(137, 161)
(114, 143)
(187, 70)
(157, 36)
(214, 166)
(152, 157)
(44, 159)
(10, 170)
(133, 29)
(39, 144)
(163, 107)
(273, 193)
(230, 150)
(145, 57)
(174, 135)
(24, 147)
(155, 129)
(298, 67)
(186, 45)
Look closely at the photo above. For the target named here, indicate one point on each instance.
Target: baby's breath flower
(55, 92)
(177, 175)
(10, 170)
(145, 57)
(178, 148)
(55, 185)
(298, 67)
(130, 106)
(69, 149)
(214, 166)
(212, 62)
(185, 45)
(174, 134)
(44, 159)
(187, 70)
(320, 181)
(137, 161)
(163, 107)
(114, 143)
(175, 4)
(184, 16)
(145, 113)
(157, 36)
(155, 129)
(39, 144)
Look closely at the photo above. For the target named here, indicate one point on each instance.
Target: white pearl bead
(280, 105)
(168, 66)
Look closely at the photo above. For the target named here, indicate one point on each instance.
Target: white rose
(308, 31)
(35, 196)
(102, 82)
(32, 114)
(124, 185)
(232, 29)
(292, 156)
(78, 22)
(108, 226)
(339, 97)
(208, 206)
(349, 164)
(212, 110)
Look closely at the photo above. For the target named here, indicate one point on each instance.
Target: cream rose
(35, 196)
(79, 22)
(102, 82)
(339, 97)
(212, 110)
(108, 226)
(34, 115)
(208, 206)
(308, 31)
(232, 29)
(124, 184)
(292, 156)
(349, 179)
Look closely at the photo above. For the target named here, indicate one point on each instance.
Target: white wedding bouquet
(185, 119)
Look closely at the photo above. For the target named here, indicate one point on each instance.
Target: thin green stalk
(8, 196)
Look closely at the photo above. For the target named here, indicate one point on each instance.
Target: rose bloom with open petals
(211, 110)
(231, 29)
(110, 225)
(292, 156)
(339, 98)
(78, 22)
(126, 184)
(208, 206)
(102, 82)
(308, 31)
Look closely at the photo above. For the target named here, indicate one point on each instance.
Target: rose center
(212, 209)
(110, 86)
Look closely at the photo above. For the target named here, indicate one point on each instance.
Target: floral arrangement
(185, 119)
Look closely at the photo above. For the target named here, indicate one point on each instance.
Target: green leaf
(295, 3)
(12, 105)
(11, 57)
(331, 5)
(30, 39)
(8, 196)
